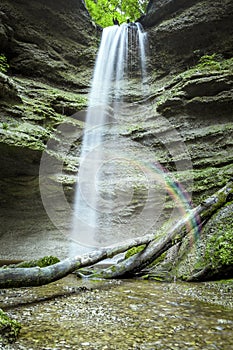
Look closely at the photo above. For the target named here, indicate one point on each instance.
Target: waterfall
(121, 57)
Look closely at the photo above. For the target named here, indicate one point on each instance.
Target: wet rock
(3, 33)
(201, 101)
(204, 92)
(8, 89)
(18, 161)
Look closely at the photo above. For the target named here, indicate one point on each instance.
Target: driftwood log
(36, 276)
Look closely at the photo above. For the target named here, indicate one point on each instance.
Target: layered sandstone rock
(51, 48)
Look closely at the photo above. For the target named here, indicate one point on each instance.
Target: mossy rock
(9, 329)
(212, 252)
(219, 247)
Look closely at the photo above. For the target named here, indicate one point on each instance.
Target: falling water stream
(121, 57)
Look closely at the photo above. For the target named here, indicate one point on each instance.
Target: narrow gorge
(51, 50)
(173, 141)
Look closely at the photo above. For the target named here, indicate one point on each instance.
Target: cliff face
(191, 81)
(191, 59)
(51, 49)
(182, 31)
(47, 39)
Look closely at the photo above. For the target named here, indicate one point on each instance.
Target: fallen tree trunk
(36, 276)
(175, 235)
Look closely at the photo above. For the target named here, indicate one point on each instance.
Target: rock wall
(54, 41)
(191, 60)
(191, 82)
(180, 32)
(51, 49)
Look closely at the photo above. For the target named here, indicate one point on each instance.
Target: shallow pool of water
(124, 315)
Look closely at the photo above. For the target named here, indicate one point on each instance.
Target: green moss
(43, 262)
(156, 278)
(211, 62)
(113, 268)
(207, 180)
(208, 63)
(3, 63)
(37, 119)
(158, 260)
(219, 249)
(228, 281)
(134, 251)
(205, 66)
(9, 329)
(47, 261)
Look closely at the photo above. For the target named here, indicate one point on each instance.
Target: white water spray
(121, 56)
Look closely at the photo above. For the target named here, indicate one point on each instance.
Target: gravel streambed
(121, 314)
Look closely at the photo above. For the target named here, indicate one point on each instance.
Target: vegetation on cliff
(104, 11)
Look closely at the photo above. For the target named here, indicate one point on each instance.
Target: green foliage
(219, 250)
(3, 64)
(103, 11)
(9, 329)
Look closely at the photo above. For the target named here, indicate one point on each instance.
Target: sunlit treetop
(103, 11)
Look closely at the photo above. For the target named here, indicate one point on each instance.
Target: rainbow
(177, 192)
